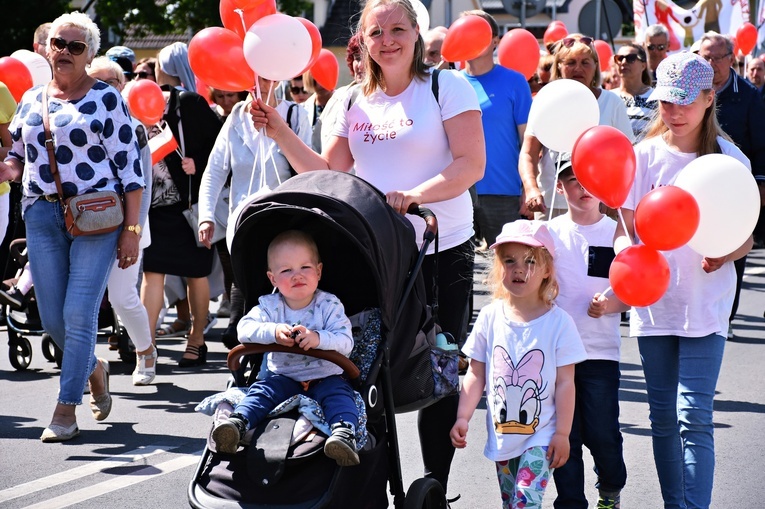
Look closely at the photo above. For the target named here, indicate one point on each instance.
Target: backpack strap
(289, 117)
(434, 83)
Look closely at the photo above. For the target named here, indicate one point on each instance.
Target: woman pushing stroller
(317, 320)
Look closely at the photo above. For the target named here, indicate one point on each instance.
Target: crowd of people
(492, 184)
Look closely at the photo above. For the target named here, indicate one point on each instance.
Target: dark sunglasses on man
(630, 59)
(74, 47)
(143, 75)
(298, 90)
(656, 47)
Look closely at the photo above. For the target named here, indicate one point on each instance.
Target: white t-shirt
(612, 113)
(583, 255)
(696, 304)
(521, 370)
(399, 142)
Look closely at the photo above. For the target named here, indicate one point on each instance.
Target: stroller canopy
(367, 248)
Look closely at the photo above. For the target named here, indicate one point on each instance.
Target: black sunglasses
(74, 47)
(656, 47)
(298, 90)
(631, 58)
(570, 41)
(143, 75)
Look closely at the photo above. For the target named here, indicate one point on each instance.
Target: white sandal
(143, 375)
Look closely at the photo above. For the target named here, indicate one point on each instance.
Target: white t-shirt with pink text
(399, 142)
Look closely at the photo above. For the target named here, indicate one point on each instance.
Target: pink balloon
(277, 47)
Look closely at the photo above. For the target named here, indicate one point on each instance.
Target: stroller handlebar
(431, 223)
(236, 354)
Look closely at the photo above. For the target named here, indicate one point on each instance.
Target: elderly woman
(71, 272)
(236, 153)
(123, 283)
(635, 88)
(176, 180)
(396, 97)
(574, 58)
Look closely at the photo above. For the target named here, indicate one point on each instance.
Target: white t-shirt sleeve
(455, 94)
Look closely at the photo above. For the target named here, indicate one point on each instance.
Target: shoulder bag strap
(49, 146)
(181, 141)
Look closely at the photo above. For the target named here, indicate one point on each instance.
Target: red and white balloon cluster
(23, 70)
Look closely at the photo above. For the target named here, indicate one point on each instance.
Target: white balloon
(38, 66)
(561, 112)
(423, 17)
(277, 47)
(729, 203)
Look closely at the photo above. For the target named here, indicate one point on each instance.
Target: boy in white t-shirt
(584, 251)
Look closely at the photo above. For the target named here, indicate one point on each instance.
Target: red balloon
(146, 102)
(217, 57)
(746, 36)
(234, 22)
(16, 76)
(315, 42)
(519, 50)
(667, 218)
(605, 54)
(246, 4)
(736, 49)
(603, 161)
(326, 69)
(466, 38)
(639, 276)
(554, 33)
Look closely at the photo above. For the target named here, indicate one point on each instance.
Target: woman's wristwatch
(135, 228)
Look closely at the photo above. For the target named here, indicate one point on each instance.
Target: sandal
(199, 351)
(177, 329)
(143, 375)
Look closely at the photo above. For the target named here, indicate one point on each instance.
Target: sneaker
(341, 445)
(609, 501)
(13, 297)
(227, 434)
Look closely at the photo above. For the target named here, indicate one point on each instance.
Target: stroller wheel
(20, 353)
(48, 348)
(425, 494)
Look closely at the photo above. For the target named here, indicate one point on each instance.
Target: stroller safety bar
(236, 354)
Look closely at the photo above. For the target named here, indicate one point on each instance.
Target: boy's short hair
(566, 170)
(295, 237)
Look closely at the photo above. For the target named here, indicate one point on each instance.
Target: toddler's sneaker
(227, 434)
(609, 500)
(341, 445)
(13, 297)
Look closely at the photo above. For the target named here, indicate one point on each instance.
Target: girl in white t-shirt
(681, 348)
(522, 349)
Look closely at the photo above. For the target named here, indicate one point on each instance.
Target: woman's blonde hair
(81, 21)
(710, 129)
(543, 260)
(561, 52)
(374, 78)
(106, 64)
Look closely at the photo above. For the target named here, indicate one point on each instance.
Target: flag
(161, 145)
(688, 25)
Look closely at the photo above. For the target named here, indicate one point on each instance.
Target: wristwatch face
(134, 228)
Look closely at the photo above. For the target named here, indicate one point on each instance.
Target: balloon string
(650, 315)
(609, 289)
(624, 225)
(241, 18)
(262, 132)
(555, 187)
(271, 152)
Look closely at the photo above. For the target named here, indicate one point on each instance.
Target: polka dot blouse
(95, 145)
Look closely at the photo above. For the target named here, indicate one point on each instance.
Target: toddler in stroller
(318, 321)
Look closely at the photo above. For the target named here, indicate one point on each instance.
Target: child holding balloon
(522, 349)
(682, 336)
(583, 255)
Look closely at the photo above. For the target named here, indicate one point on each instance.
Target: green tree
(21, 18)
(171, 16)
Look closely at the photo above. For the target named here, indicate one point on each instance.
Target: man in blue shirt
(505, 100)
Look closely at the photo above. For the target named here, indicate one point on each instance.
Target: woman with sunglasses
(631, 65)
(417, 149)
(71, 272)
(575, 58)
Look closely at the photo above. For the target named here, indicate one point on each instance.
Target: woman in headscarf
(175, 187)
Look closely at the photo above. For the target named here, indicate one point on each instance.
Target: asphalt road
(145, 453)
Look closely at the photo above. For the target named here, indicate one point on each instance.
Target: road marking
(76, 473)
(754, 271)
(118, 482)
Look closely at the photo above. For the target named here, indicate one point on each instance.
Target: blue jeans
(681, 376)
(70, 275)
(596, 426)
(333, 393)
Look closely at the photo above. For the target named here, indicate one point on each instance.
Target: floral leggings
(523, 480)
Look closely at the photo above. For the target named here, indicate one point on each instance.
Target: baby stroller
(371, 261)
(26, 321)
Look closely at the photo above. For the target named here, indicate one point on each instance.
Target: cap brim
(525, 240)
(673, 95)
